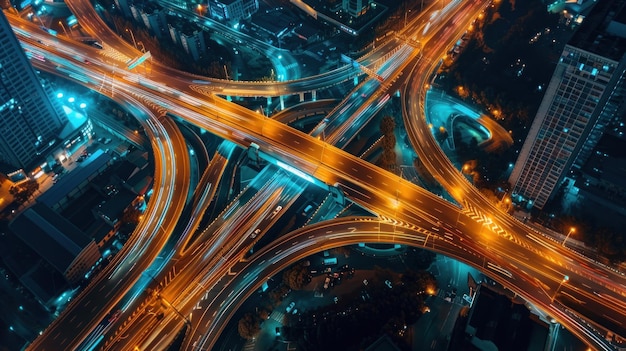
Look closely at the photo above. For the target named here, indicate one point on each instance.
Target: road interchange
(332, 167)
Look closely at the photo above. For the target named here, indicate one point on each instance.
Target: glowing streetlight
(143, 48)
(564, 280)
(64, 29)
(571, 230)
(132, 36)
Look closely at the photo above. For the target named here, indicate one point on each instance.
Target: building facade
(585, 93)
(31, 120)
(232, 10)
(355, 8)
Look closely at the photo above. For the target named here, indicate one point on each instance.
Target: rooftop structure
(57, 241)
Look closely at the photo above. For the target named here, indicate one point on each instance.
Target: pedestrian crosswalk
(278, 316)
(250, 345)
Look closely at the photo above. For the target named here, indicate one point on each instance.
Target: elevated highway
(401, 202)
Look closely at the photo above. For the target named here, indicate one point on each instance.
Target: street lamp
(143, 48)
(133, 37)
(571, 230)
(64, 29)
(564, 280)
(226, 71)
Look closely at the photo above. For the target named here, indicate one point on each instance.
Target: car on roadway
(255, 233)
(278, 208)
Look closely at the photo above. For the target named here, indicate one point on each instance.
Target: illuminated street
(207, 241)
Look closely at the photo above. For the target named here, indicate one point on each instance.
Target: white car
(255, 233)
(278, 208)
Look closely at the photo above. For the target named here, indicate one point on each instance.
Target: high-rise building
(585, 93)
(232, 10)
(356, 7)
(30, 120)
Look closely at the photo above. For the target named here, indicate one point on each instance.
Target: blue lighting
(297, 172)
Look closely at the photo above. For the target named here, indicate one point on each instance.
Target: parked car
(290, 307)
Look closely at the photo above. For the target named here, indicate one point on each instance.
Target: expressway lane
(299, 244)
(207, 187)
(231, 237)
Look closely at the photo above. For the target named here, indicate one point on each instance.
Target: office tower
(585, 93)
(232, 10)
(30, 120)
(356, 7)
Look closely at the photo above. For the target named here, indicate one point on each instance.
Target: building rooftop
(45, 284)
(383, 343)
(140, 182)
(496, 320)
(112, 209)
(51, 236)
(225, 2)
(603, 30)
(68, 183)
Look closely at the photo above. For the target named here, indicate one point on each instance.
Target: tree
(248, 326)
(387, 125)
(21, 193)
(30, 186)
(264, 314)
(388, 158)
(296, 277)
